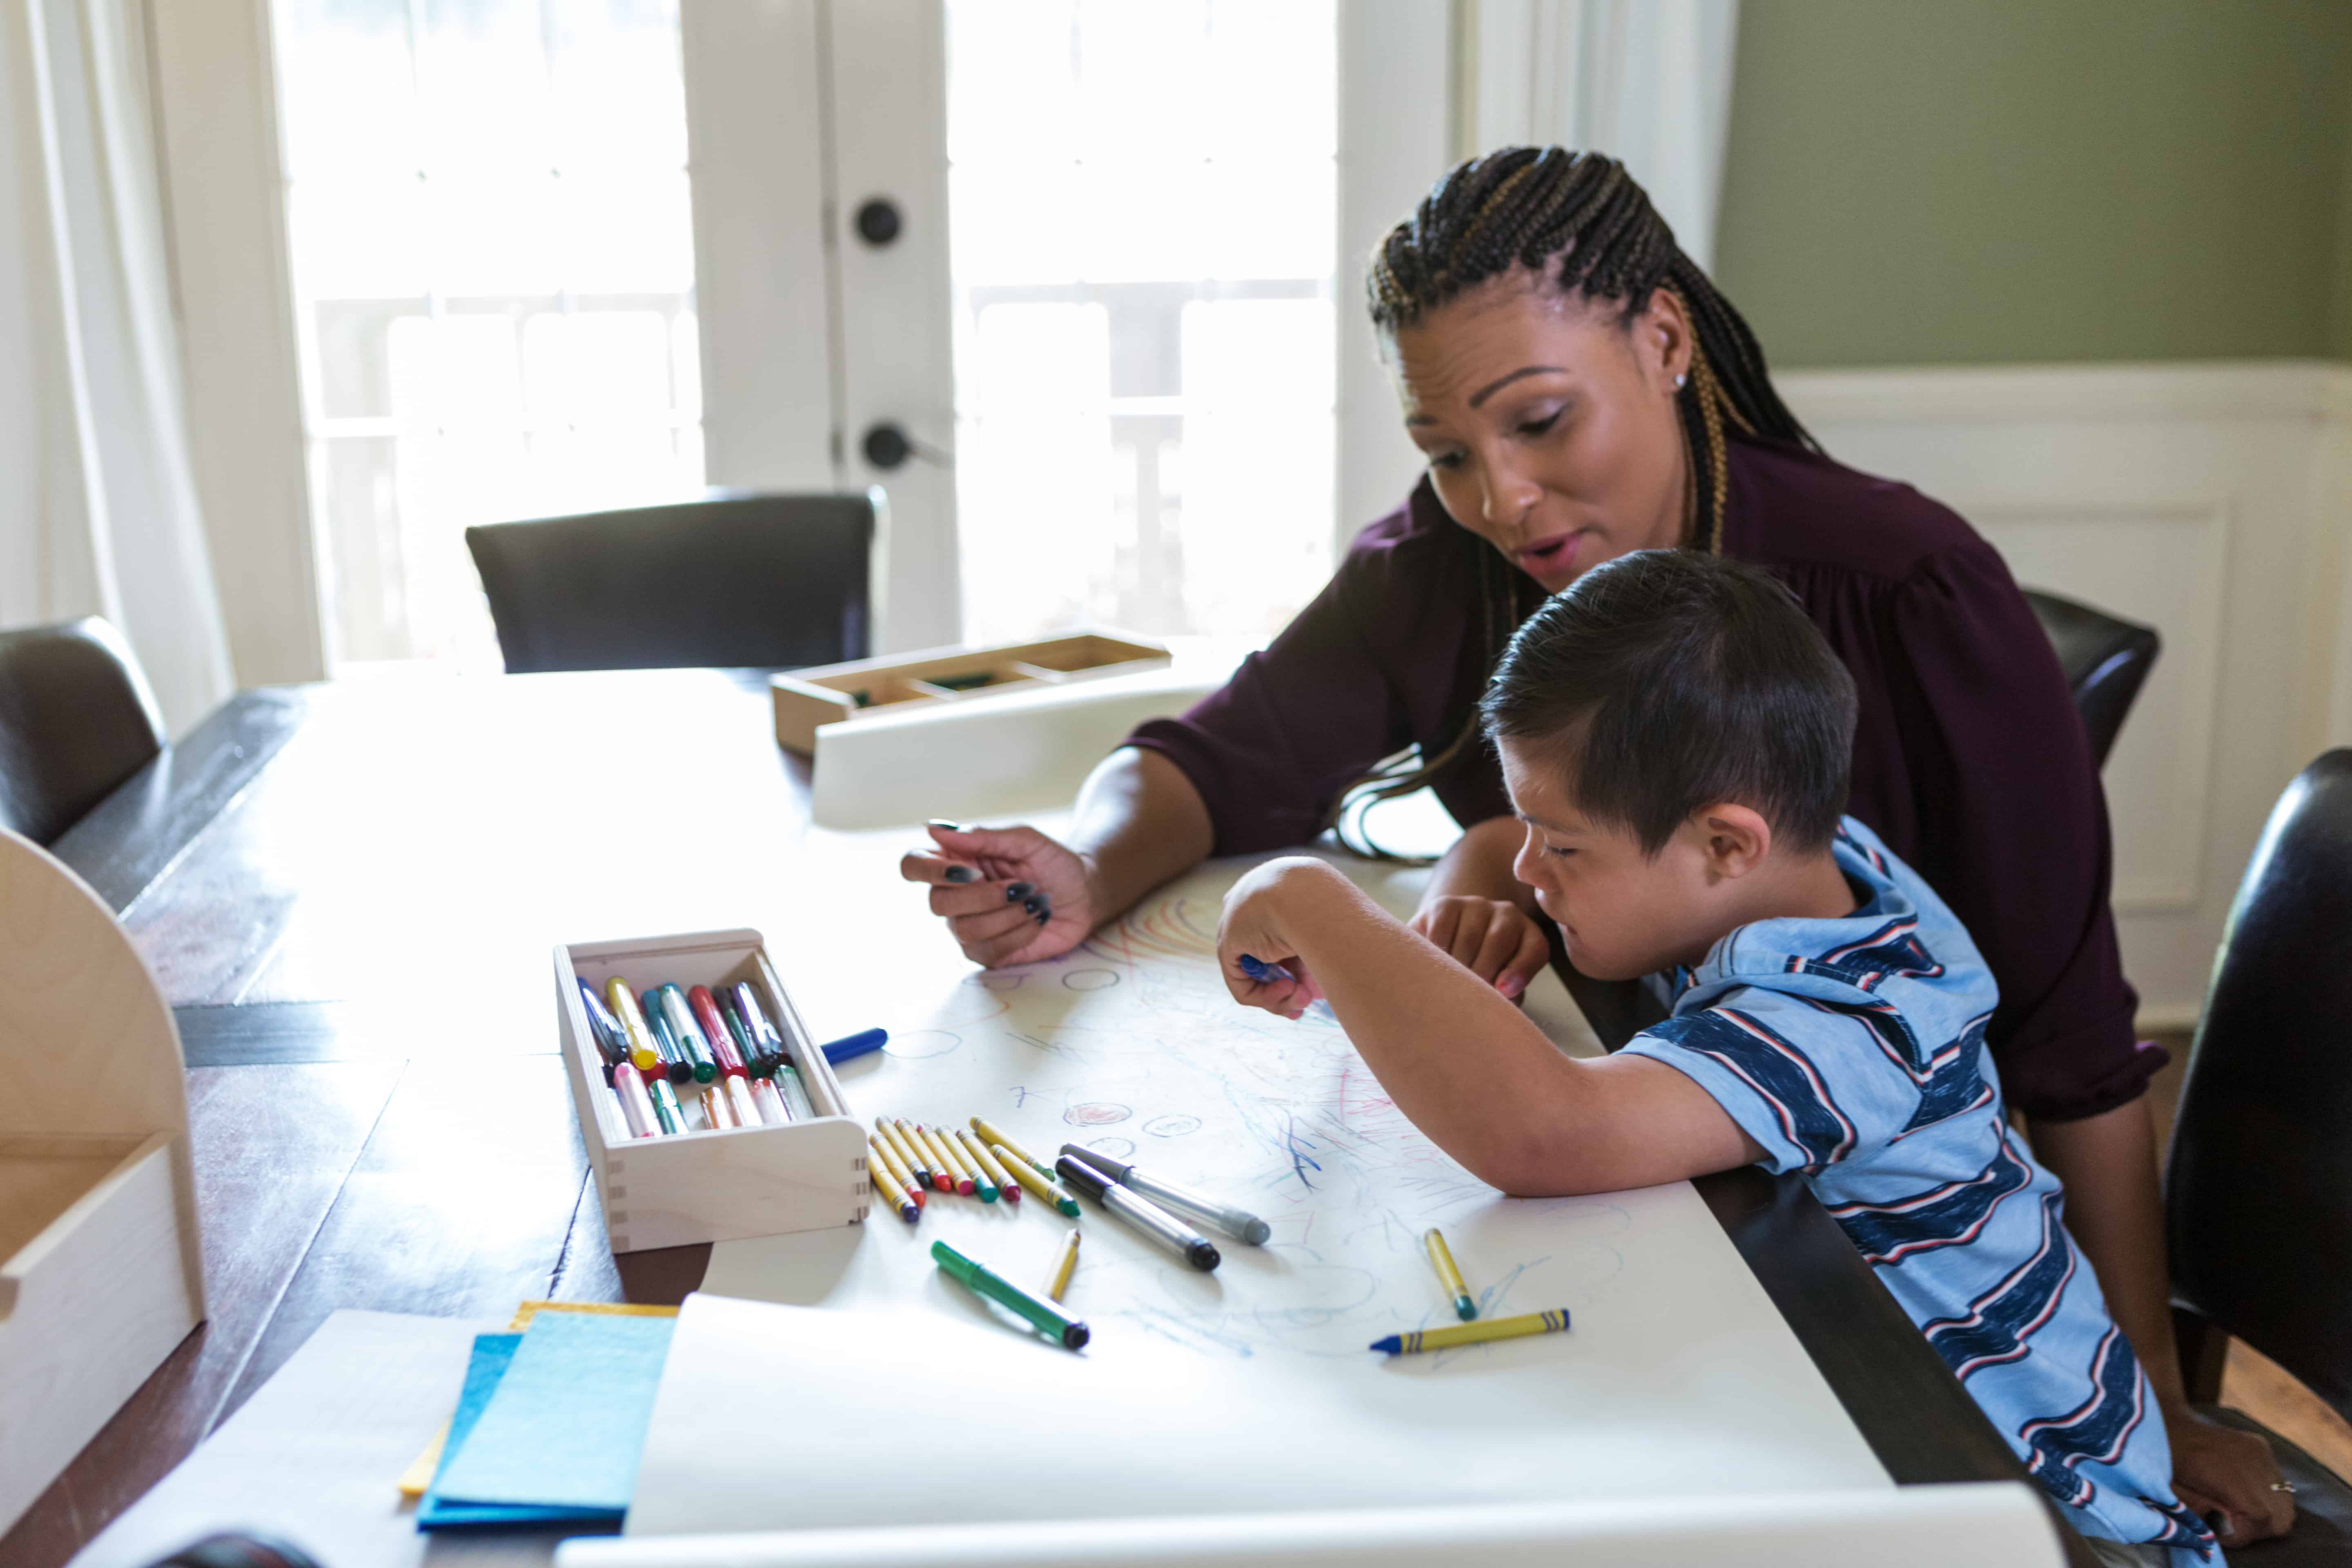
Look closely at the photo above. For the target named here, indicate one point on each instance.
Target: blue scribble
(1296, 1145)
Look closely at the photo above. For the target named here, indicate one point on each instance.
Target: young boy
(1676, 736)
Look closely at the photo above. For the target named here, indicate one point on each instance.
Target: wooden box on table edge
(101, 1269)
(705, 1185)
(903, 682)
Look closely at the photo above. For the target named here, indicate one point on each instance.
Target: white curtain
(1648, 81)
(97, 509)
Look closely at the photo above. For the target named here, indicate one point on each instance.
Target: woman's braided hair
(1580, 224)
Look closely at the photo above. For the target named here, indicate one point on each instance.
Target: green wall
(1921, 181)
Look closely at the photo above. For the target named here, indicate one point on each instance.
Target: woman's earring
(1679, 380)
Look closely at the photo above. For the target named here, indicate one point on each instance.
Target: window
(493, 282)
(1143, 206)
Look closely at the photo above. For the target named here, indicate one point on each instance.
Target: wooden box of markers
(932, 677)
(704, 1184)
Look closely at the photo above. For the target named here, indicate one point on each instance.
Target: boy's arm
(1462, 1062)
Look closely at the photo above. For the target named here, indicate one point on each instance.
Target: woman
(1582, 391)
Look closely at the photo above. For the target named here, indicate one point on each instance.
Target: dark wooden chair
(76, 720)
(2258, 1190)
(2106, 662)
(773, 581)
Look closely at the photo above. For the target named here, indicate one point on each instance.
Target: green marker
(1049, 1319)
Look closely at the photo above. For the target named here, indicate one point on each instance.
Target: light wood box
(705, 1185)
(101, 1269)
(905, 682)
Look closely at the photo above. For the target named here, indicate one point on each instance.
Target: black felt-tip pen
(1148, 1217)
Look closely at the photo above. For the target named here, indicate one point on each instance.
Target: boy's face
(1624, 914)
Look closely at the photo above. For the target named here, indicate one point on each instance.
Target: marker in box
(637, 1105)
(756, 1061)
(705, 1008)
(675, 1069)
(688, 1032)
(740, 1100)
(666, 1109)
(644, 1050)
(611, 1040)
(716, 1114)
(772, 1104)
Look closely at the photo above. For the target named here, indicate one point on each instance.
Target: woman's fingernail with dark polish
(1034, 905)
(962, 874)
(1016, 891)
(1044, 916)
(950, 826)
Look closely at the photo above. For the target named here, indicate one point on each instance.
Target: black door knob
(877, 221)
(886, 446)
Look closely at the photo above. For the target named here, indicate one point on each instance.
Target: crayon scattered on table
(888, 1190)
(1476, 1333)
(637, 1105)
(908, 1155)
(1045, 1315)
(1440, 1258)
(1029, 1177)
(982, 1182)
(1064, 1265)
(988, 1163)
(849, 1047)
(946, 1174)
(891, 1166)
(667, 1112)
(1141, 1214)
(968, 1181)
(1000, 1139)
(1239, 1223)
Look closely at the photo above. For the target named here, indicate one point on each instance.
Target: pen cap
(1082, 1176)
(1098, 1160)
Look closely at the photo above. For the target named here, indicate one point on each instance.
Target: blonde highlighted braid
(1586, 227)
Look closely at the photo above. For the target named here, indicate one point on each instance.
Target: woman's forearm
(1139, 822)
(1479, 865)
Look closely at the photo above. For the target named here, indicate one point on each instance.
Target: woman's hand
(1494, 939)
(2226, 1475)
(1252, 927)
(1011, 894)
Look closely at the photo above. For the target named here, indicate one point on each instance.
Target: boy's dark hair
(1666, 680)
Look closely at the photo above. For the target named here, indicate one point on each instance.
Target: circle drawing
(1172, 1126)
(1117, 1148)
(916, 1044)
(1089, 980)
(1096, 1113)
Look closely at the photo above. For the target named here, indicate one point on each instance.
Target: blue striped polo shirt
(1852, 1050)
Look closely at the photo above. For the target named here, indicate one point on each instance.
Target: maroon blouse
(1969, 757)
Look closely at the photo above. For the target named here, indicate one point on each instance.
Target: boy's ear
(1735, 839)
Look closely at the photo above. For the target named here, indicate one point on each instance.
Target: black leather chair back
(2106, 661)
(763, 580)
(2258, 1193)
(76, 720)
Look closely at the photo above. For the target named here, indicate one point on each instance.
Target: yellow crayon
(1028, 1177)
(942, 1177)
(968, 1177)
(992, 1175)
(1551, 1322)
(951, 1176)
(994, 1134)
(642, 1054)
(1064, 1265)
(1440, 1258)
(887, 1163)
(908, 1155)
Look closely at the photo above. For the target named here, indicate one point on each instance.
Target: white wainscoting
(2211, 501)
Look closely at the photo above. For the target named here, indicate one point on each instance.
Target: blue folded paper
(551, 1423)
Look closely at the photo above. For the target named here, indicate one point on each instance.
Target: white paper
(1678, 1378)
(315, 1456)
(1985, 1524)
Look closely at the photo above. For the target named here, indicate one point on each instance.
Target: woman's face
(1549, 427)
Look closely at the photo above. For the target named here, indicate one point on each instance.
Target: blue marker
(851, 1047)
(1263, 973)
